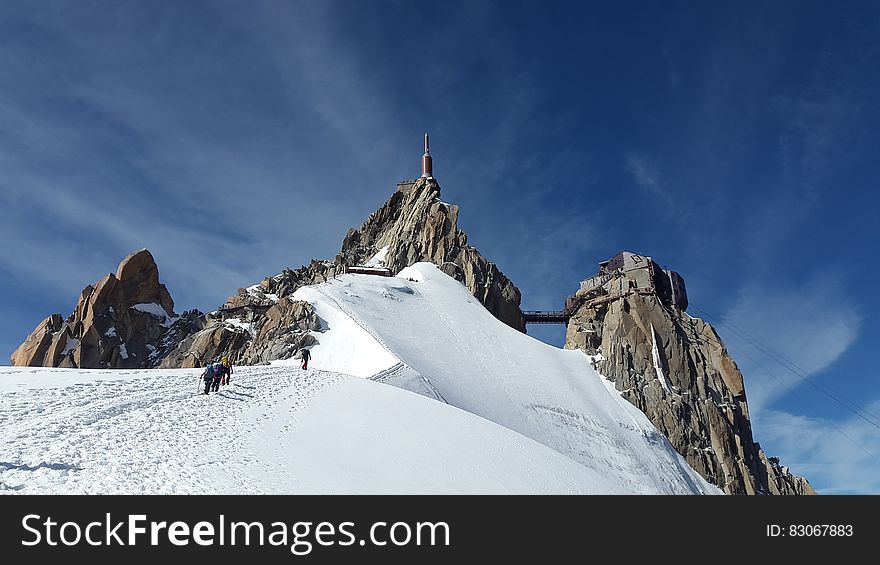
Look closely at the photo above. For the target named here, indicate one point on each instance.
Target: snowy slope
(274, 430)
(446, 345)
(476, 407)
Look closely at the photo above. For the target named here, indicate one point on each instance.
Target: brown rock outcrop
(118, 322)
(677, 371)
(45, 337)
(248, 335)
(215, 341)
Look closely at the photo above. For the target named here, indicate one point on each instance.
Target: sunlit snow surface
(453, 402)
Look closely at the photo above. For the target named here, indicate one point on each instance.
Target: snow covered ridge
(454, 350)
(475, 407)
(274, 430)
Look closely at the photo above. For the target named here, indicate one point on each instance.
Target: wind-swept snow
(658, 369)
(157, 311)
(495, 412)
(430, 323)
(238, 323)
(256, 291)
(378, 260)
(273, 430)
(72, 344)
(349, 348)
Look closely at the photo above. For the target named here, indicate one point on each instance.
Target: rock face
(284, 331)
(248, 334)
(34, 351)
(209, 344)
(675, 369)
(118, 322)
(414, 225)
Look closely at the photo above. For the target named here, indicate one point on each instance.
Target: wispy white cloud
(74, 223)
(548, 266)
(838, 457)
(230, 149)
(118, 161)
(646, 174)
(810, 325)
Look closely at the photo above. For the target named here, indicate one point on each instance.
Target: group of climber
(217, 374)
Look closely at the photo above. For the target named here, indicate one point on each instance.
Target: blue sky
(735, 144)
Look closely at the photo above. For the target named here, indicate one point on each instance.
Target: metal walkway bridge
(545, 317)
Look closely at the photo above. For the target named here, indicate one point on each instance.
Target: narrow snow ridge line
(400, 368)
(364, 326)
(355, 318)
(389, 371)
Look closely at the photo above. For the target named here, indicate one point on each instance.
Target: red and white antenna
(427, 170)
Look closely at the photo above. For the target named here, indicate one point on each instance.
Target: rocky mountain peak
(631, 319)
(138, 281)
(260, 323)
(416, 225)
(117, 322)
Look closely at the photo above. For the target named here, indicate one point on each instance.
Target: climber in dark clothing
(208, 377)
(306, 354)
(218, 374)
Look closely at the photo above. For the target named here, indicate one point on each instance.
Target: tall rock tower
(631, 319)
